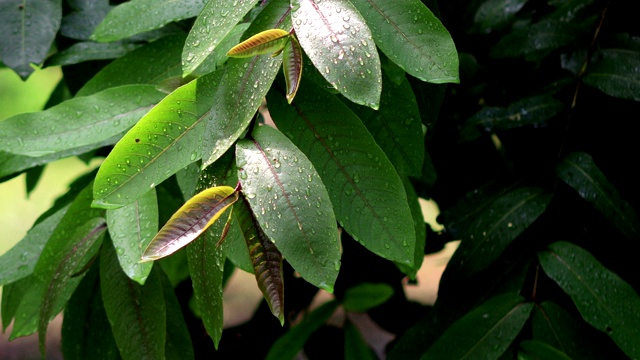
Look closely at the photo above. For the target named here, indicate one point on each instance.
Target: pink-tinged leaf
(292, 67)
(266, 259)
(268, 41)
(191, 220)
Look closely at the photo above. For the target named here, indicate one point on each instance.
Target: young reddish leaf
(266, 259)
(292, 67)
(191, 220)
(268, 41)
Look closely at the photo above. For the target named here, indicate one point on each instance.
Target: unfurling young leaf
(292, 67)
(191, 220)
(266, 259)
(268, 41)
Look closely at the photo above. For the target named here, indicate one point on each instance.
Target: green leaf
(614, 71)
(366, 296)
(534, 350)
(191, 220)
(219, 55)
(135, 17)
(604, 300)
(339, 43)
(243, 87)
(131, 228)
(420, 230)
(12, 296)
(161, 143)
(28, 28)
(137, 313)
(266, 260)
(580, 172)
(291, 204)
(264, 42)
(187, 179)
(81, 23)
(412, 37)
(21, 259)
(355, 348)
(215, 21)
(493, 229)
(135, 67)
(289, 344)
(485, 332)
(77, 122)
(496, 14)
(527, 111)
(178, 345)
(367, 195)
(85, 51)
(292, 67)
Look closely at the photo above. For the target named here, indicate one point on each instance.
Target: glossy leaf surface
(80, 23)
(161, 143)
(291, 204)
(265, 42)
(604, 300)
(191, 220)
(85, 51)
(580, 172)
(484, 332)
(131, 228)
(614, 72)
(219, 55)
(410, 35)
(527, 111)
(367, 195)
(213, 23)
(77, 122)
(292, 67)
(139, 16)
(338, 41)
(495, 14)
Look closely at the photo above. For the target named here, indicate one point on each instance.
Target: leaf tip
(102, 204)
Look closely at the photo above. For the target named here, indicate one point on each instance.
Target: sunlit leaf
(292, 67)
(191, 220)
(604, 300)
(366, 296)
(265, 42)
(219, 55)
(338, 41)
(291, 204)
(413, 37)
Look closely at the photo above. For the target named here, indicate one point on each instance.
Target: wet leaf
(131, 228)
(191, 220)
(187, 180)
(264, 42)
(85, 51)
(291, 204)
(219, 55)
(420, 229)
(485, 332)
(80, 23)
(28, 28)
(533, 350)
(292, 67)
(604, 300)
(178, 345)
(580, 172)
(161, 143)
(137, 313)
(213, 23)
(366, 192)
(266, 260)
(615, 72)
(77, 122)
(135, 17)
(366, 296)
(496, 14)
(338, 41)
(244, 84)
(289, 344)
(412, 37)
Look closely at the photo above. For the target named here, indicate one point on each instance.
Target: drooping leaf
(580, 172)
(496, 14)
(533, 350)
(338, 41)
(366, 296)
(484, 332)
(264, 42)
(88, 50)
(214, 22)
(289, 344)
(243, 87)
(604, 300)
(77, 122)
(495, 228)
(266, 260)
(367, 195)
(191, 220)
(21, 259)
(178, 345)
(81, 23)
(413, 37)
(355, 348)
(135, 17)
(135, 67)
(131, 228)
(614, 71)
(28, 28)
(137, 313)
(291, 204)
(292, 67)
(161, 143)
